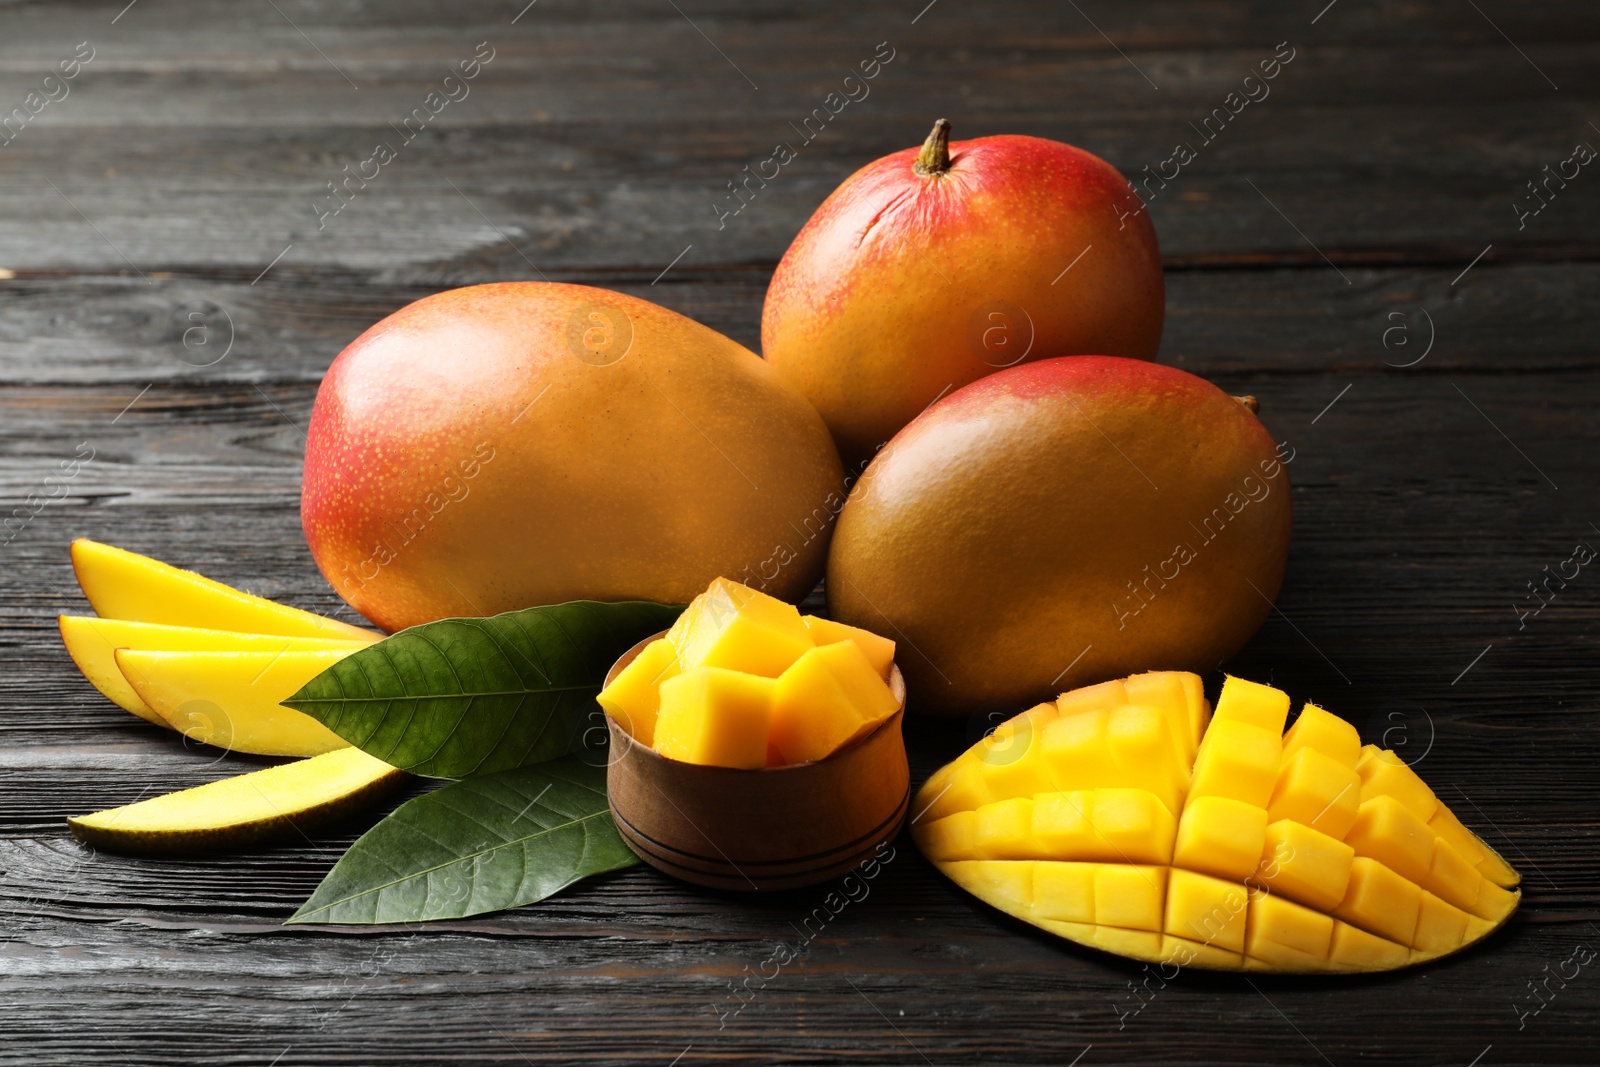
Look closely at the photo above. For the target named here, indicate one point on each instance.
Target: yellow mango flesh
(742, 680)
(1295, 853)
(275, 802)
(715, 716)
(737, 628)
(92, 644)
(878, 650)
(231, 699)
(126, 585)
(827, 698)
(633, 698)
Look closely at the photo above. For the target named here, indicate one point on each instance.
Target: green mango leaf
(460, 697)
(476, 846)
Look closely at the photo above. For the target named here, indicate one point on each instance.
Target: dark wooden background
(1322, 236)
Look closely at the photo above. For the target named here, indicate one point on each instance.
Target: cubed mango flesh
(738, 628)
(1327, 733)
(878, 650)
(824, 700)
(633, 698)
(1298, 852)
(715, 716)
(739, 673)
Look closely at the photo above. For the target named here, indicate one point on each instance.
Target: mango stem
(934, 159)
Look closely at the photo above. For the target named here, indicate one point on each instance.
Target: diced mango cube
(1112, 825)
(1238, 760)
(964, 788)
(1472, 848)
(1220, 836)
(1166, 690)
(1441, 927)
(1102, 697)
(1451, 877)
(634, 696)
(1005, 831)
(1447, 826)
(1135, 826)
(1075, 750)
(1064, 892)
(1493, 903)
(1146, 753)
(1014, 757)
(1140, 944)
(1305, 865)
(715, 716)
(1185, 952)
(1206, 909)
(1356, 950)
(737, 628)
(953, 837)
(827, 698)
(1315, 789)
(1386, 774)
(879, 650)
(1007, 884)
(1129, 895)
(1380, 901)
(1275, 924)
(1061, 826)
(1194, 695)
(1253, 703)
(1391, 834)
(1327, 733)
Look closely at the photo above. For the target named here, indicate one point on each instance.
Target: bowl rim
(897, 687)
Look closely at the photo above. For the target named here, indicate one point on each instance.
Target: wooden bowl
(773, 828)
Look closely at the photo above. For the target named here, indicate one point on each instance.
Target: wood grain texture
(1322, 228)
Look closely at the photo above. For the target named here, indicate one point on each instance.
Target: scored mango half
(1128, 817)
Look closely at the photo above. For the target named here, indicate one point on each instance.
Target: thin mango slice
(277, 802)
(1127, 817)
(92, 643)
(125, 585)
(231, 699)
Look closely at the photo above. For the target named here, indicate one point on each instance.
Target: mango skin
(903, 287)
(502, 446)
(1008, 529)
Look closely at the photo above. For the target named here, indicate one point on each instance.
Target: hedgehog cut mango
(1128, 817)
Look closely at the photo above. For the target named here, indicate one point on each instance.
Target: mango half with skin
(1127, 817)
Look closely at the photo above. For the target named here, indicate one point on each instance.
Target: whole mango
(927, 270)
(522, 443)
(1063, 522)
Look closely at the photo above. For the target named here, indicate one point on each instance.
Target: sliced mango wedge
(126, 585)
(1127, 817)
(92, 644)
(278, 802)
(231, 699)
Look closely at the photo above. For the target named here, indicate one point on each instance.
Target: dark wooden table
(1350, 250)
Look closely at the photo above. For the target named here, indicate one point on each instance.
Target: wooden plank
(191, 329)
(585, 151)
(892, 977)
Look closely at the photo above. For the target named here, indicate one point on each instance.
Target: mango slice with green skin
(92, 643)
(277, 802)
(1107, 818)
(125, 585)
(231, 699)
